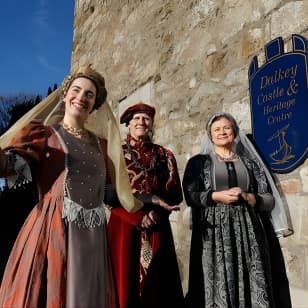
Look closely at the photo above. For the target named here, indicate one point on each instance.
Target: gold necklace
(77, 132)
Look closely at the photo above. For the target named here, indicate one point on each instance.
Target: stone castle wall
(190, 58)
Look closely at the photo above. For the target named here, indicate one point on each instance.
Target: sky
(35, 45)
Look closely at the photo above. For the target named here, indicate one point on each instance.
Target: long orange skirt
(38, 257)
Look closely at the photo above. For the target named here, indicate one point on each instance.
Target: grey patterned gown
(229, 261)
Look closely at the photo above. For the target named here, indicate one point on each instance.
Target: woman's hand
(249, 198)
(233, 195)
(227, 196)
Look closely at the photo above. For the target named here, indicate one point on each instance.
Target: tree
(38, 99)
(19, 110)
(4, 114)
(13, 107)
(49, 91)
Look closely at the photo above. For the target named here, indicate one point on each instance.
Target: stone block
(289, 19)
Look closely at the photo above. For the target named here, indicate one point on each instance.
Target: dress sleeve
(197, 183)
(261, 188)
(173, 184)
(31, 142)
(25, 152)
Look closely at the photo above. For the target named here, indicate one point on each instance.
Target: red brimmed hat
(128, 114)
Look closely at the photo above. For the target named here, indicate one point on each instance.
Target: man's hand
(149, 220)
(164, 205)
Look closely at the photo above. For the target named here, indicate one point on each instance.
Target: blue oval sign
(279, 104)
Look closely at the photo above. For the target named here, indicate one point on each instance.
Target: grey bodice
(84, 182)
(221, 174)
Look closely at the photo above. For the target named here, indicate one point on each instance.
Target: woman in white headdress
(61, 257)
(232, 197)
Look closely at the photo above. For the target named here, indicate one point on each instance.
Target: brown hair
(94, 76)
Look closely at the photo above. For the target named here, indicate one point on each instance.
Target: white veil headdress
(101, 122)
(280, 215)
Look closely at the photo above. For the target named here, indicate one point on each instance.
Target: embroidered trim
(135, 157)
(22, 169)
(84, 218)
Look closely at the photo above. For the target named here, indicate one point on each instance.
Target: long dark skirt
(231, 262)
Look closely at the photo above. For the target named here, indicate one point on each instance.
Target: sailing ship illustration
(282, 154)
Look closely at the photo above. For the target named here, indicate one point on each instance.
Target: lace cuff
(84, 218)
(22, 170)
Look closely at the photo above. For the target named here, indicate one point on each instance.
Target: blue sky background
(36, 43)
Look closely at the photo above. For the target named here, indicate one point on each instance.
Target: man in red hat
(142, 247)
